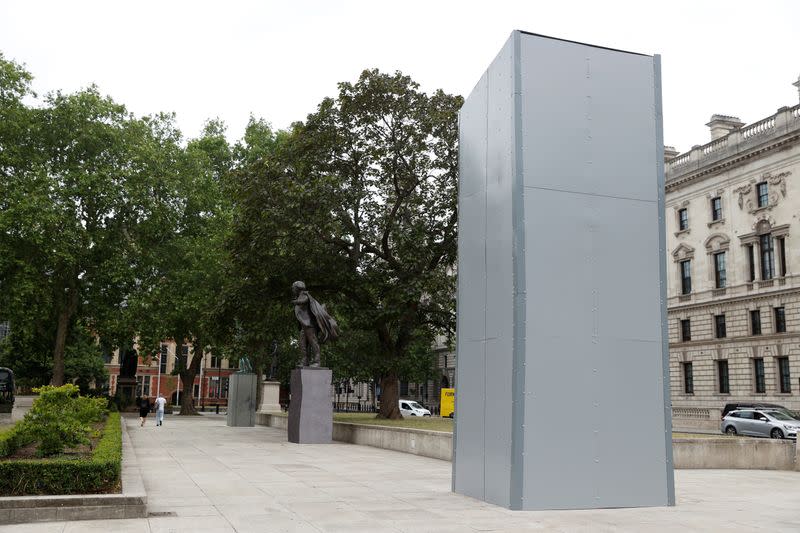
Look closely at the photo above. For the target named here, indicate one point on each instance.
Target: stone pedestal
(270, 397)
(311, 410)
(126, 390)
(242, 400)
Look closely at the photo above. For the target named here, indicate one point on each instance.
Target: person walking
(160, 404)
(144, 408)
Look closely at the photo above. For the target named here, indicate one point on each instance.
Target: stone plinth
(242, 400)
(311, 410)
(270, 397)
(126, 390)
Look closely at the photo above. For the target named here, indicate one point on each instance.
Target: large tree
(360, 202)
(79, 195)
(185, 269)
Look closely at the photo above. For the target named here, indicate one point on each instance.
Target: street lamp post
(200, 388)
(158, 385)
(178, 388)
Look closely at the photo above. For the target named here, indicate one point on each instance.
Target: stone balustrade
(735, 144)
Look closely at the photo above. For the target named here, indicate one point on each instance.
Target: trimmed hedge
(98, 474)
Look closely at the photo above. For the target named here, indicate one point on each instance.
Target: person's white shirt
(160, 403)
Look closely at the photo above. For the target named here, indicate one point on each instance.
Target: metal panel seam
(485, 264)
(662, 245)
(458, 299)
(518, 269)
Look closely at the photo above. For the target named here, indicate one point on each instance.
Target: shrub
(99, 473)
(12, 440)
(60, 418)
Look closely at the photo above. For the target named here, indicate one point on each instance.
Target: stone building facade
(733, 265)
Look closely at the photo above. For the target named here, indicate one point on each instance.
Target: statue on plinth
(316, 325)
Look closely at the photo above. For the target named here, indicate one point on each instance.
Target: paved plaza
(201, 475)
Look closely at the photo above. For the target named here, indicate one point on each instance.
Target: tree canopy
(114, 227)
(360, 201)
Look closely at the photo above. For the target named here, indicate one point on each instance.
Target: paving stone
(265, 484)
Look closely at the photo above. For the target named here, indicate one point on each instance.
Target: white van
(412, 408)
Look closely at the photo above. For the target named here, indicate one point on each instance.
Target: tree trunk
(187, 379)
(64, 318)
(390, 397)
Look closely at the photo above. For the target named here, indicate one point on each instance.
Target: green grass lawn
(432, 423)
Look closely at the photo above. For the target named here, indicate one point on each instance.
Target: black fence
(353, 407)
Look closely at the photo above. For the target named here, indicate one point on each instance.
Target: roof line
(584, 44)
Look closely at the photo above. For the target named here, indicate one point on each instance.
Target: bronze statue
(273, 367)
(245, 366)
(316, 325)
(128, 361)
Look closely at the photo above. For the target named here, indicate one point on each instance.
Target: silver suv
(760, 423)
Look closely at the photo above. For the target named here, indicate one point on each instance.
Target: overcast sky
(277, 60)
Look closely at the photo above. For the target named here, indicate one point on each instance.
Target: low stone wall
(435, 444)
(734, 453)
(130, 503)
(701, 453)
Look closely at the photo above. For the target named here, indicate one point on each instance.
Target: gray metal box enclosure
(242, 400)
(562, 388)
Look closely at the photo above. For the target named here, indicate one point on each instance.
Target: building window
(722, 372)
(719, 326)
(758, 370)
(142, 386)
(782, 255)
(763, 194)
(404, 388)
(215, 361)
(783, 373)
(163, 358)
(683, 219)
(720, 274)
(686, 276)
(752, 261)
(224, 393)
(780, 320)
(184, 359)
(755, 322)
(688, 378)
(686, 330)
(767, 257)
(716, 208)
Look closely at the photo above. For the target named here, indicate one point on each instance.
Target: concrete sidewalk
(201, 475)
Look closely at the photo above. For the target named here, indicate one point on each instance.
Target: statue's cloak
(327, 328)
